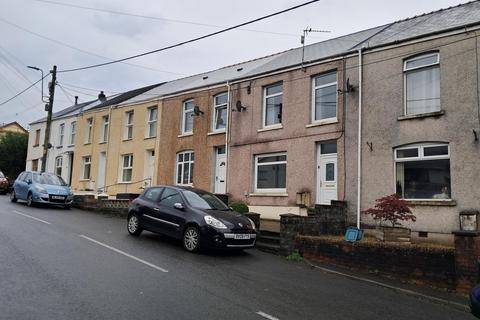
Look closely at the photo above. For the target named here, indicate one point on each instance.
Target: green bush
(239, 207)
(295, 256)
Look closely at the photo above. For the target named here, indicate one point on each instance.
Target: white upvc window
(106, 123)
(61, 134)
(87, 165)
(128, 133)
(187, 117)
(324, 97)
(422, 171)
(271, 173)
(58, 165)
(272, 105)
(151, 129)
(422, 84)
(73, 132)
(127, 168)
(220, 112)
(88, 134)
(184, 170)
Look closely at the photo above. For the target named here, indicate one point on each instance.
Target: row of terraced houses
(392, 109)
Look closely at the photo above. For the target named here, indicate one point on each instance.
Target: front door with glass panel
(326, 173)
(102, 166)
(220, 170)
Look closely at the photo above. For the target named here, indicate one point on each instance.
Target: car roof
(179, 188)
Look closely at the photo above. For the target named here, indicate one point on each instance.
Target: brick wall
(424, 264)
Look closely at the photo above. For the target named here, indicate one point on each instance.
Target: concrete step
(268, 247)
(268, 233)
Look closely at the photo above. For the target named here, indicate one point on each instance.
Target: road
(73, 264)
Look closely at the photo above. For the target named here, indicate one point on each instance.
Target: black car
(195, 216)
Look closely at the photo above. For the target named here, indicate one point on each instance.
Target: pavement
(74, 264)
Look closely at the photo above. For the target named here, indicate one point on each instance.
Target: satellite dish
(239, 106)
(197, 111)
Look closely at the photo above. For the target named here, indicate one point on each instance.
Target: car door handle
(156, 209)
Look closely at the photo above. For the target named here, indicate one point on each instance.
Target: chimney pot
(76, 99)
(102, 96)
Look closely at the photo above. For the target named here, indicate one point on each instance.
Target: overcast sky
(42, 33)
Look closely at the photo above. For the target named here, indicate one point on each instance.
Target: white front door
(149, 166)
(102, 162)
(326, 177)
(220, 170)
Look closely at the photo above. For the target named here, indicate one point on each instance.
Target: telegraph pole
(49, 108)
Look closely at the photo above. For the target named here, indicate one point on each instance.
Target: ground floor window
(423, 171)
(127, 167)
(35, 165)
(87, 164)
(185, 164)
(271, 173)
(58, 166)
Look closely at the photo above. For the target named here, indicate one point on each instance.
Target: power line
(30, 86)
(192, 40)
(122, 13)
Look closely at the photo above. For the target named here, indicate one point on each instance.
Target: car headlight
(253, 224)
(211, 221)
(40, 189)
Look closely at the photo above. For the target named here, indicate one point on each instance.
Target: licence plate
(242, 236)
(58, 197)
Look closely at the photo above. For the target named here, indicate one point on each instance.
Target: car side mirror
(29, 181)
(178, 206)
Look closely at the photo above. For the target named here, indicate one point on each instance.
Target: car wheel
(133, 225)
(13, 196)
(30, 201)
(191, 239)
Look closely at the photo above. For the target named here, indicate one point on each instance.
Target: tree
(392, 209)
(13, 153)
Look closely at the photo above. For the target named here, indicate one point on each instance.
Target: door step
(268, 241)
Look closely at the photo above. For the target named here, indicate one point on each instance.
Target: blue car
(41, 188)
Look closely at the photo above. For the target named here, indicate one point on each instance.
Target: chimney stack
(76, 100)
(102, 97)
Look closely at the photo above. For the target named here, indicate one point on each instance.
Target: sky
(74, 33)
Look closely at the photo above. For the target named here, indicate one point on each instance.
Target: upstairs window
(423, 171)
(106, 123)
(422, 84)
(151, 123)
(88, 134)
(220, 112)
(37, 138)
(127, 167)
(272, 105)
(324, 97)
(73, 132)
(187, 117)
(128, 134)
(61, 134)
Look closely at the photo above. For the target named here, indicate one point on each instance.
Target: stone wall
(89, 202)
(423, 264)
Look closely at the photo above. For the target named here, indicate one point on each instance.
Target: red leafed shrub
(392, 209)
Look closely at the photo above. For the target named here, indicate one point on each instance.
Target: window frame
(215, 111)
(58, 165)
(105, 127)
(314, 88)
(420, 157)
(37, 137)
(84, 165)
(406, 71)
(151, 122)
(89, 131)
(264, 105)
(73, 132)
(184, 115)
(61, 134)
(123, 168)
(128, 128)
(255, 181)
(190, 162)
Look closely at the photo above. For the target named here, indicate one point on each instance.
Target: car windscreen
(50, 179)
(204, 200)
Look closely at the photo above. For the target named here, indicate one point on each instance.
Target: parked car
(45, 188)
(4, 184)
(475, 301)
(195, 216)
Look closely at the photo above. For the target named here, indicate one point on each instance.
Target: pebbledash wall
(386, 127)
(297, 137)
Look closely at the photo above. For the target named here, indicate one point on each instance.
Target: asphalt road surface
(73, 264)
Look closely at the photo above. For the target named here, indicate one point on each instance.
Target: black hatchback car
(195, 216)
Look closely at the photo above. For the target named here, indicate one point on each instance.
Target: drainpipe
(107, 148)
(359, 150)
(227, 129)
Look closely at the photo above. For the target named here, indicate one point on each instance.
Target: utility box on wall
(469, 220)
(304, 199)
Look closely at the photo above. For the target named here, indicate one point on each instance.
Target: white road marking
(124, 253)
(266, 315)
(28, 216)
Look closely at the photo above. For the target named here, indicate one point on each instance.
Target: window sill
(321, 123)
(185, 135)
(87, 143)
(102, 142)
(215, 133)
(36, 145)
(268, 194)
(148, 138)
(421, 115)
(84, 180)
(276, 127)
(433, 202)
(70, 146)
(124, 182)
(59, 147)
(127, 139)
